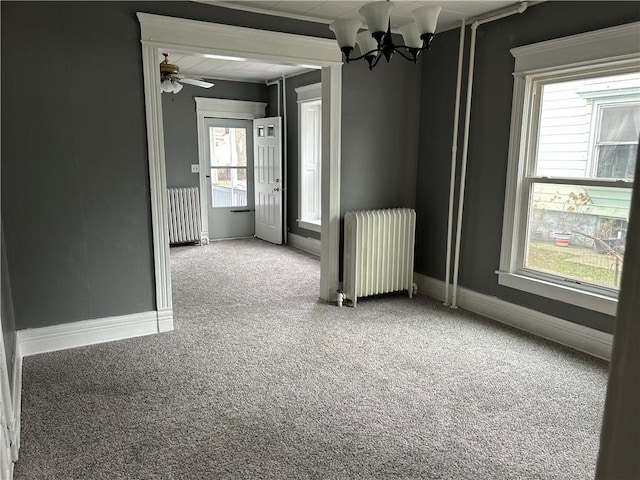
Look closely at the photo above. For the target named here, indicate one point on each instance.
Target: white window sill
(313, 225)
(562, 293)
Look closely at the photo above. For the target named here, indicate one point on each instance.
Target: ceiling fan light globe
(166, 86)
(177, 86)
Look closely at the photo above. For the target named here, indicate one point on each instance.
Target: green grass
(579, 263)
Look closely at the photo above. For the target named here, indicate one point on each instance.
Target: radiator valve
(340, 298)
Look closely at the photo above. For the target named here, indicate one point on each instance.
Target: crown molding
(229, 40)
(622, 42)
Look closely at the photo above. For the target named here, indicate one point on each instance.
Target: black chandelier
(376, 42)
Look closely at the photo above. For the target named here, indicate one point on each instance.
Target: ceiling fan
(170, 78)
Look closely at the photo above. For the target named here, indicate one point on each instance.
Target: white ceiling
(453, 11)
(327, 11)
(244, 71)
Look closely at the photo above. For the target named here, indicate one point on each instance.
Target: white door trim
(8, 441)
(217, 108)
(203, 37)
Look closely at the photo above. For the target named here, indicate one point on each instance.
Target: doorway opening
(229, 176)
(188, 35)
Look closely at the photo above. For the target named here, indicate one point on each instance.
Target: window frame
(609, 51)
(599, 106)
(308, 94)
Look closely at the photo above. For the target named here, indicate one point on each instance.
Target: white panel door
(268, 178)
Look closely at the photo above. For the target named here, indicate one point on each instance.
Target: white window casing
(309, 99)
(611, 51)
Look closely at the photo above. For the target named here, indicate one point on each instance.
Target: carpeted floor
(259, 380)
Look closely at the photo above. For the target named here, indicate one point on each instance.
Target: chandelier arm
(412, 50)
(375, 62)
(375, 51)
(406, 57)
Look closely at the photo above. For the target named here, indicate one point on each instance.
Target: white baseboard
(89, 332)
(165, 320)
(307, 244)
(561, 331)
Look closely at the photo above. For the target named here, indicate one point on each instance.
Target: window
(616, 139)
(310, 155)
(228, 167)
(574, 145)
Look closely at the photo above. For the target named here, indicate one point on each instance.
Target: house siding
(566, 134)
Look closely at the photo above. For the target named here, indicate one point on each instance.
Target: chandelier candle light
(377, 42)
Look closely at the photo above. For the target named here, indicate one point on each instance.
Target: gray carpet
(259, 380)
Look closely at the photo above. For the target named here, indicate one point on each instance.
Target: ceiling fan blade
(196, 82)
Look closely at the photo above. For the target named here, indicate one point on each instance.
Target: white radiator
(184, 215)
(378, 252)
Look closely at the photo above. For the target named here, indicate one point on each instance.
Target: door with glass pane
(268, 179)
(230, 178)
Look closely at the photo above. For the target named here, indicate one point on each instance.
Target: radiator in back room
(378, 252)
(184, 215)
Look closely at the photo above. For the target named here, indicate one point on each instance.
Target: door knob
(277, 189)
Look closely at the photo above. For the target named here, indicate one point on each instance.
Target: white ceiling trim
(204, 37)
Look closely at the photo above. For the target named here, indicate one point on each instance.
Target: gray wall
(488, 147)
(181, 129)
(75, 194)
(75, 188)
(75, 180)
(380, 115)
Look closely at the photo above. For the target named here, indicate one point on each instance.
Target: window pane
(311, 196)
(310, 159)
(578, 116)
(229, 187)
(228, 147)
(578, 232)
(616, 161)
(620, 123)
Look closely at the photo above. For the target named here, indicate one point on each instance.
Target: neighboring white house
(590, 127)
